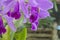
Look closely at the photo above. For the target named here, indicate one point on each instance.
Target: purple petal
(33, 18)
(34, 27)
(6, 2)
(34, 10)
(2, 28)
(10, 22)
(16, 15)
(16, 7)
(43, 14)
(33, 3)
(37, 22)
(15, 12)
(34, 14)
(24, 8)
(0, 7)
(7, 7)
(45, 4)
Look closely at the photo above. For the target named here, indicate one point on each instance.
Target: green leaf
(21, 35)
(6, 36)
(55, 6)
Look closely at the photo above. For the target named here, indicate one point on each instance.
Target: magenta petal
(16, 15)
(15, 12)
(16, 7)
(10, 22)
(43, 14)
(7, 7)
(34, 27)
(2, 28)
(33, 18)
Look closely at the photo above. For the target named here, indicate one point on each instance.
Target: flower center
(14, 12)
(34, 14)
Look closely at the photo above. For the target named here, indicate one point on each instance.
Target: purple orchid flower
(43, 11)
(10, 12)
(32, 10)
(35, 10)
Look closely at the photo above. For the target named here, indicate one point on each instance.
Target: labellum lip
(34, 10)
(15, 12)
(33, 18)
(34, 14)
(34, 27)
(2, 28)
(16, 15)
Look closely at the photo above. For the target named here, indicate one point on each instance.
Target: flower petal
(24, 8)
(10, 22)
(33, 18)
(0, 7)
(7, 7)
(14, 13)
(33, 2)
(34, 27)
(2, 28)
(43, 14)
(45, 4)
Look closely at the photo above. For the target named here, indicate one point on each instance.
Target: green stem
(55, 4)
(12, 35)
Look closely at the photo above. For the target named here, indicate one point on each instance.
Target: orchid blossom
(35, 10)
(10, 12)
(32, 10)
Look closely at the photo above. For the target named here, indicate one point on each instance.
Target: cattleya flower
(10, 12)
(32, 10)
(35, 10)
